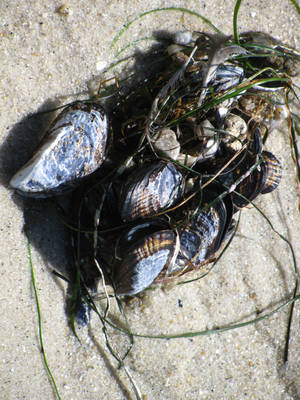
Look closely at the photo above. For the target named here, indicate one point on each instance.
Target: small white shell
(73, 148)
(166, 142)
(236, 131)
(183, 37)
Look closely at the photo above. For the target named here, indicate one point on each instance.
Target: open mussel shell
(145, 251)
(150, 190)
(73, 148)
(204, 231)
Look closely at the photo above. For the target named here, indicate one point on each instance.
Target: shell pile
(161, 173)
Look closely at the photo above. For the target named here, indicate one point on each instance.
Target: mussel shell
(139, 231)
(214, 191)
(227, 76)
(273, 172)
(143, 261)
(243, 168)
(264, 179)
(150, 190)
(276, 55)
(249, 188)
(204, 232)
(73, 148)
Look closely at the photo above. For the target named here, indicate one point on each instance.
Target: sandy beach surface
(49, 56)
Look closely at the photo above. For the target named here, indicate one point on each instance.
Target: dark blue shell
(73, 148)
(227, 76)
(204, 232)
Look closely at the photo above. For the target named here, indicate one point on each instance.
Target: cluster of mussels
(158, 171)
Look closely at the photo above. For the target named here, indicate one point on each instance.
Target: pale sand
(45, 57)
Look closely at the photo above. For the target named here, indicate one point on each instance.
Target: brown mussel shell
(150, 190)
(264, 179)
(245, 175)
(249, 188)
(204, 229)
(273, 172)
(144, 253)
(276, 54)
(180, 113)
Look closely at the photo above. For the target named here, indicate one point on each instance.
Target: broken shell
(175, 48)
(73, 148)
(187, 160)
(183, 37)
(263, 110)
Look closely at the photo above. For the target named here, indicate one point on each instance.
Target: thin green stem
(294, 2)
(182, 9)
(235, 25)
(51, 377)
(208, 331)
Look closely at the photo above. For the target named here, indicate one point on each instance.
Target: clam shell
(73, 148)
(150, 190)
(143, 261)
